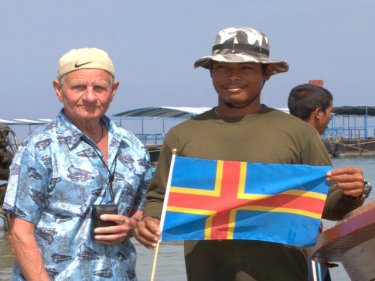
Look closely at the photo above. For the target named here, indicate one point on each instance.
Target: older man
(240, 128)
(79, 162)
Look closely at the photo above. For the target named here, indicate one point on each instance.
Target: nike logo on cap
(81, 64)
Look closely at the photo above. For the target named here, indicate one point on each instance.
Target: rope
(351, 145)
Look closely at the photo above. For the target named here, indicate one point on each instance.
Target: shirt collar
(71, 135)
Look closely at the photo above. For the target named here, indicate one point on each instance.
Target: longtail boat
(352, 242)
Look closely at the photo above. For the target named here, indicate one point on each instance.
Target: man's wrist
(367, 187)
(133, 225)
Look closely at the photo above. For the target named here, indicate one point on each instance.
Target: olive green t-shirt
(269, 136)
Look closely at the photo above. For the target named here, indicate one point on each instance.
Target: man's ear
(114, 88)
(268, 72)
(210, 69)
(57, 88)
(318, 113)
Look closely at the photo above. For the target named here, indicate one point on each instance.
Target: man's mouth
(233, 89)
(233, 86)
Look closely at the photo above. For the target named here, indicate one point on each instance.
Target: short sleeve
(26, 194)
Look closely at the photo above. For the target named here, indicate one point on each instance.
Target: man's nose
(90, 95)
(234, 75)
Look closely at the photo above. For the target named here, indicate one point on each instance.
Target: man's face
(324, 119)
(85, 93)
(238, 83)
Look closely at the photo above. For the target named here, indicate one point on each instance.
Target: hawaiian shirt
(56, 177)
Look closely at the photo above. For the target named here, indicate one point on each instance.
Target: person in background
(241, 128)
(61, 172)
(314, 105)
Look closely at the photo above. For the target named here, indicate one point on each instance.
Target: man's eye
(219, 68)
(79, 87)
(99, 88)
(247, 67)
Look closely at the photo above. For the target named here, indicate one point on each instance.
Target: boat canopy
(163, 112)
(354, 110)
(188, 112)
(168, 111)
(21, 121)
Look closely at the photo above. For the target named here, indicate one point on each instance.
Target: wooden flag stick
(174, 151)
(155, 262)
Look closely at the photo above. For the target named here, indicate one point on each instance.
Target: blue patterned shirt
(56, 177)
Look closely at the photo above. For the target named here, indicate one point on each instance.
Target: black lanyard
(111, 175)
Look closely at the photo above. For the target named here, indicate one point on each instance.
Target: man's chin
(236, 103)
(89, 115)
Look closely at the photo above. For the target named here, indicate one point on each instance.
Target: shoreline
(353, 155)
(350, 147)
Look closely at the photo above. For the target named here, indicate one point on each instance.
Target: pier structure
(351, 131)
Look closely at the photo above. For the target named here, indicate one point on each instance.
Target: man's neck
(224, 109)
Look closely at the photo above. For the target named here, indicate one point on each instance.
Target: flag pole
(155, 262)
(164, 210)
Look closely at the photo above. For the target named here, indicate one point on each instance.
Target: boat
(8, 147)
(352, 243)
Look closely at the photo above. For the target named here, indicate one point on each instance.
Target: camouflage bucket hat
(241, 45)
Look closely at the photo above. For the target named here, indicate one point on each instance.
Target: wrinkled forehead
(88, 75)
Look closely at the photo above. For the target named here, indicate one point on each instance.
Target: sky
(153, 45)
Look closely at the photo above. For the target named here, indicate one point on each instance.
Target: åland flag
(214, 199)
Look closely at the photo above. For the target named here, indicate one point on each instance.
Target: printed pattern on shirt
(57, 175)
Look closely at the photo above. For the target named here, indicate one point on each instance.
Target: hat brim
(278, 65)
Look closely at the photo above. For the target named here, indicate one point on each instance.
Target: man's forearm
(28, 258)
(26, 251)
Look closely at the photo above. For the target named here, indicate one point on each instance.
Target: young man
(314, 104)
(240, 128)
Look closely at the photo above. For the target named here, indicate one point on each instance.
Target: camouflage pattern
(241, 45)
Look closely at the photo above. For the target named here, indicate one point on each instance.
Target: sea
(170, 262)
